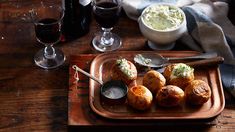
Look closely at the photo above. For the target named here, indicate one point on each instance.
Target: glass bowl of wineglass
(106, 13)
(47, 21)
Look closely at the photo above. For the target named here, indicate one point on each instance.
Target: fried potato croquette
(170, 96)
(123, 70)
(154, 81)
(197, 92)
(179, 74)
(139, 97)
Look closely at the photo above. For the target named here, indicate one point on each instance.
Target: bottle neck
(84, 2)
(63, 4)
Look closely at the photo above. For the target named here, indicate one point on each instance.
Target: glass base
(46, 63)
(97, 44)
(161, 47)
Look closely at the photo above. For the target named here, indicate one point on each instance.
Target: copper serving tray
(100, 68)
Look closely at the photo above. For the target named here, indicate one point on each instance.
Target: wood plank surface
(33, 99)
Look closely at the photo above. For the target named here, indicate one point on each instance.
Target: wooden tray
(100, 68)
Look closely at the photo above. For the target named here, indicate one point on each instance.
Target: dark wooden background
(33, 99)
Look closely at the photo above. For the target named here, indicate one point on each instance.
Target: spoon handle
(207, 62)
(87, 74)
(199, 63)
(201, 56)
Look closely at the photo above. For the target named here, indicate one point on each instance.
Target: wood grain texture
(33, 99)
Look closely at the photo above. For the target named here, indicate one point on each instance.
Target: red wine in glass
(48, 31)
(47, 19)
(107, 14)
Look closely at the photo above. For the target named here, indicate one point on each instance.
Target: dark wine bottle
(77, 18)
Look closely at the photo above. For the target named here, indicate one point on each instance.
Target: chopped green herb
(143, 60)
(182, 70)
(123, 65)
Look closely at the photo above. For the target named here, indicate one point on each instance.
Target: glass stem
(107, 38)
(49, 52)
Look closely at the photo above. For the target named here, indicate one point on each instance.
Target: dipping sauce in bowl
(114, 92)
(163, 17)
(162, 24)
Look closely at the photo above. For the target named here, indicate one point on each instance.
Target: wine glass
(47, 21)
(106, 13)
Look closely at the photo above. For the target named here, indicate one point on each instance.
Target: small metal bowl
(114, 92)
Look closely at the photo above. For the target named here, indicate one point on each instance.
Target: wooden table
(33, 99)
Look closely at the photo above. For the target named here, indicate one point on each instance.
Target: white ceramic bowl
(162, 39)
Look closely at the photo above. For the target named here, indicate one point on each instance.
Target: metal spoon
(155, 60)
